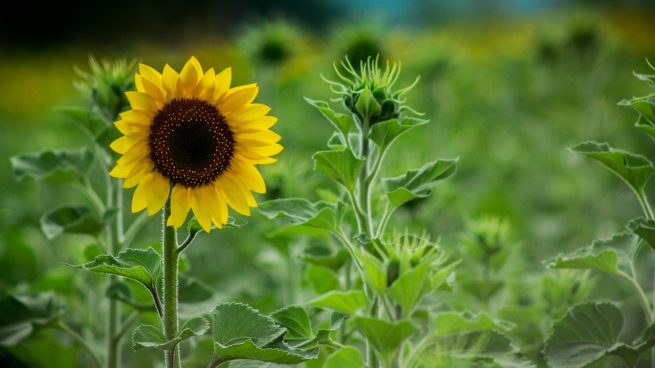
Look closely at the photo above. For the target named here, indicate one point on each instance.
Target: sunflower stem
(170, 266)
(114, 235)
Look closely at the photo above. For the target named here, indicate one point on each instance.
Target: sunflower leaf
(410, 287)
(345, 357)
(606, 255)
(241, 332)
(296, 320)
(340, 165)
(70, 219)
(299, 213)
(143, 266)
(589, 334)
(452, 323)
(385, 132)
(58, 165)
(148, 336)
(23, 314)
(418, 183)
(348, 302)
(633, 169)
(385, 337)
(322, 279)
(342, 122)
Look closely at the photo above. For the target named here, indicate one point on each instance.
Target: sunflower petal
(263, 138)
(249, 174)
(140, 197)
(201, 207)
(222, 84)
(137, 173)
(169, 81)
(158, 193)
(260, 124)
(180, 205)
(238, 97)
(235, 198)
(141, 101)
(249, 113)
(124, 143)
(190, 76)
(146, 86)
(207, 85)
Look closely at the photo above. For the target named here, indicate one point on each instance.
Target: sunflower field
(326, 191)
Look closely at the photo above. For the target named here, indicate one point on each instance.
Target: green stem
(114, 234)
(645, 206)
(64, 327)
(363, 186)
(371, 357)
(386, 216)
(643, 299)
(170, 254)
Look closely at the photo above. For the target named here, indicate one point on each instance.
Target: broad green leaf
(449, 323)
(236, 321)
(606, 255)
(341, 165)
(645, 230)
(342, 122)
(478, 349)
(192, 290)
(296, 320)
(119, 290)
(70, 219)
(92, 120)
(366, 103)
(321, 256)
(53, 164)
(23, 314)
(375, 274)
(348, 302)
(635, 170)
(345, 357)
(588, 334)
(241, 332)
(410, 287)
(385, 132)
(418, 183)
(299, 212)
(385, 337)
(322, 279)
(148, 336)
(143, 266)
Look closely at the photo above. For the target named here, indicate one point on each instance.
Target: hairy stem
(114, 235)
(170, 260)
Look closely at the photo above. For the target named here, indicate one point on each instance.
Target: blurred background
(508, 85)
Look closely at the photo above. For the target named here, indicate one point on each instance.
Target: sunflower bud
(368, 91)
(105, 85)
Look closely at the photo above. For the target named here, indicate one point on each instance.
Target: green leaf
(148, 336)
(322, 279)
(375, 274)
(91, 120)
(366, 104)
(143, 266)
(70, 219)
(645, 230)
(300, 213)
(418, 183)
(342, 122)
(348, 302)
(606, 255)
(321, 256)
(192, 290)
(385, 132)
(241, 332)
(410, 287)
(66, 165)
(588, 334)
(449, 323)
(385, 337)
(340, 165)
(479, 349)
(635, 170)
(345, 357)
(23, 314)
(119, 290)
(296, 320)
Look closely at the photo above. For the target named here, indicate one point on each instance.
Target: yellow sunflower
(193, 137)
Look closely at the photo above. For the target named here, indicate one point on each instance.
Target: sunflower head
(106, 83)
(193, 138)
(368, 92)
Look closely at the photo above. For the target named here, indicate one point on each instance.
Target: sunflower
(193, 138)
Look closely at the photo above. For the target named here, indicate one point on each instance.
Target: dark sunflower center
(190, 142)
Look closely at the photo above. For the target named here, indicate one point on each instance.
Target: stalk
(114, 234)
(170, 254)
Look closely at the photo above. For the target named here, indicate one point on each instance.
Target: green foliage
(589, 334)
(66, 165)
(143, 266)
(348, 302)
(70, 219)
(418, 183)
(148, 336)
(24, 314)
